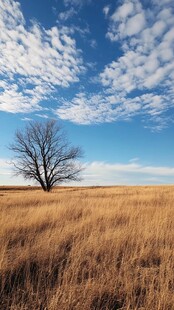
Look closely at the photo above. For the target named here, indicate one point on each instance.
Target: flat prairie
(87, 248)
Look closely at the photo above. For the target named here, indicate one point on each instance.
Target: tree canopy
(43, 153)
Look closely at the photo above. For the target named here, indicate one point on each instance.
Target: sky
(105, 71)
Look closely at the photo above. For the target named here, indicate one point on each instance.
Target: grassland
(87, 248)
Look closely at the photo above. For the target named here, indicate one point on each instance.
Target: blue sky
(105, 71)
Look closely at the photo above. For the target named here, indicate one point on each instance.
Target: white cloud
(26, 119)
(64, 16)
(83, 109)
(42, 115)
(102, 173)
(123, 11)
(93, 43)
(4, 164)
(162, 2)
(132, 168)
(127, 20)
(147, 50)
(158, 28)
(6, 174)
(146, 65)
(106, 10)
(148, 58)
(83, 32)
(91, 108)
(12, 100)
(133, 160)
(33, 62)
(135, 24)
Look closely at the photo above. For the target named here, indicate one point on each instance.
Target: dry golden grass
(87, 248)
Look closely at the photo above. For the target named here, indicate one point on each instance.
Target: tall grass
(87, 248)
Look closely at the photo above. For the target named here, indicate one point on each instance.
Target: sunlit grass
(87, 248)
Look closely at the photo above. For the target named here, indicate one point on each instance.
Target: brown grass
(87, 248)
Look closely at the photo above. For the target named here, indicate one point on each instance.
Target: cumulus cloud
(128, 19)
(123, 11)
(33, 61)
(140, 81)
(91, 108)
(147, 63)
(11, 100)
(148, 57)
(135, 24)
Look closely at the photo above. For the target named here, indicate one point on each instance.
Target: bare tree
(43, 154)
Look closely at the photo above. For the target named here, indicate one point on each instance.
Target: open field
(87, 248)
